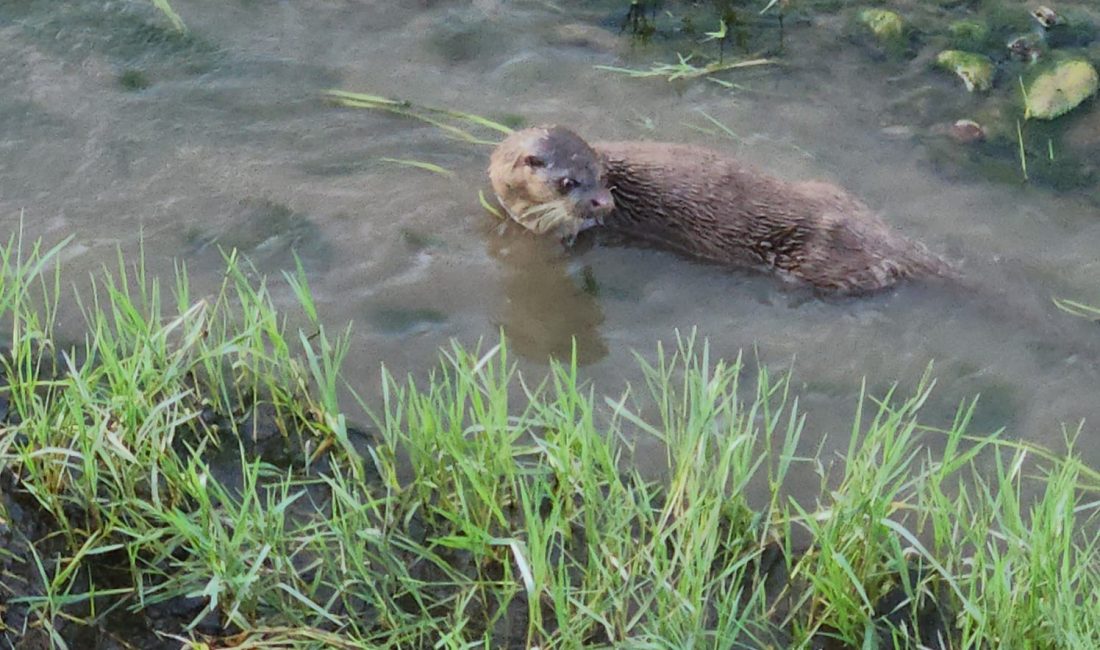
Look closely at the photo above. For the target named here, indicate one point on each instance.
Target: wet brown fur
(706, 205)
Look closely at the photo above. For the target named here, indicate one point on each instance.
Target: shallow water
(230, 144)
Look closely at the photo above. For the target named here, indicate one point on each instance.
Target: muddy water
(221, 140)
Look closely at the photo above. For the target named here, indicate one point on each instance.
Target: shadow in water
(550, 300)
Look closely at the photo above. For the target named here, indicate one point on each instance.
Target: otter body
(703, 204)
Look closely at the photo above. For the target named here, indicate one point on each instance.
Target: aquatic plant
(453, 123)
(1078, 308)
(419, 164)
(166, 8)
(684, 68)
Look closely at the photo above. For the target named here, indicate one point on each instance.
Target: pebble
(967, 132)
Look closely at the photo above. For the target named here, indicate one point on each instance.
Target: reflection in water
(547, 304)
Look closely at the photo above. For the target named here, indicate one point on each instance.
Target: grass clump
(482, 509)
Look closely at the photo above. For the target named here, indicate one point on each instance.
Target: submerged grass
(419, 164)
(1078, 308)
(484, 510)
(684, 68)
(165, 8)
(456, 124)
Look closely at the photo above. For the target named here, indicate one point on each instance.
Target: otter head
(550, 180)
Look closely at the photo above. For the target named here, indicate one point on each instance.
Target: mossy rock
(976, 70)
(887, 26)
(969, 34)
(1059, 88)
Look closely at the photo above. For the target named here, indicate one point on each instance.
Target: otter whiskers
(554, 216)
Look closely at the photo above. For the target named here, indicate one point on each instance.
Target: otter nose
(602, 202)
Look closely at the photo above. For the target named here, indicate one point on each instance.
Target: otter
(703, 204)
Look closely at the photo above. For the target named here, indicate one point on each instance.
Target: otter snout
(597, 205)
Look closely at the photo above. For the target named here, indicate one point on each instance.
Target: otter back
(709, 206)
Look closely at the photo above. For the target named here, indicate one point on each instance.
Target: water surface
(221, 139)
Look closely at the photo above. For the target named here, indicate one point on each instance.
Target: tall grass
(484, 509)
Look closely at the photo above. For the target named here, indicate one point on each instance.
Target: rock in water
(976, 70)
(1061, 88)
(887, 26)
(969, 34)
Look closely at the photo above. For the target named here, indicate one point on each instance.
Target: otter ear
(534, 162)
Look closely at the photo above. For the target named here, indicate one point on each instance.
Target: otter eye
(534, 162)
(566, 185)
